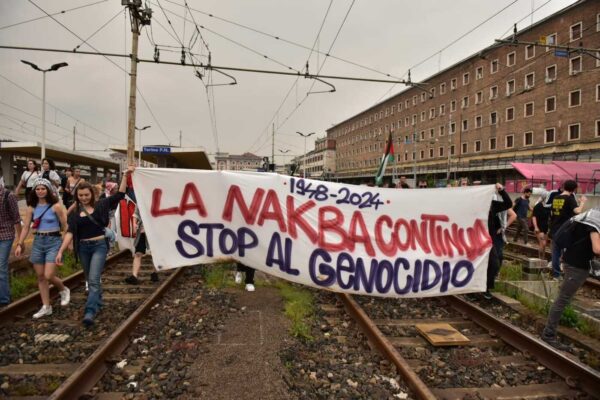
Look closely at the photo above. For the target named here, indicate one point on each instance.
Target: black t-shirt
(562, 211)
(542, 215)
(84, 227)
(581, 252)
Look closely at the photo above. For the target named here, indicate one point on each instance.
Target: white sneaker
(250, 287)
(65, 296)
(45, 310)
(238, 278)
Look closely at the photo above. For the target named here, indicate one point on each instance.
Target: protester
(72, 183)
(403, 184)
(10, 226)
(87, 229)
(499, 240)
(564, 206)
(585, 245)
(49, 173)
(495, 231)
(48, 217)
(141, 246)
(522, 208)
(27, 178)
(108, 178)
(64, 184)
(540, 219)
(249, 279)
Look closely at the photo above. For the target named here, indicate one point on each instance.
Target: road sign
(561, 53)
(156, 150)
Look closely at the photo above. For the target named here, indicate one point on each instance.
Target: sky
(380, 39)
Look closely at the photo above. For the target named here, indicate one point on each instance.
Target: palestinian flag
(387, 156)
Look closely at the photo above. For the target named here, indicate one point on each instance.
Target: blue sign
(561, 53)
(156, 150)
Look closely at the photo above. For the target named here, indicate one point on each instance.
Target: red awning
(579, 170)
(549, 172)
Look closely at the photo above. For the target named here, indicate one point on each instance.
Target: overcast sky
(388, 36)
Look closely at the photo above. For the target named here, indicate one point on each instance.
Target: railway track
(500, 361)
(55, 357)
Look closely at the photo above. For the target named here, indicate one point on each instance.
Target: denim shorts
(45, 249)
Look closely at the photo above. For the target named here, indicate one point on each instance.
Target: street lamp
(304, 135)
(140, 141)
(55, 67)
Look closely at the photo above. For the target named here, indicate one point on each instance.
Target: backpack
(564, 238)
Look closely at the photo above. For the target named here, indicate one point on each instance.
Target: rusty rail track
(575, 374)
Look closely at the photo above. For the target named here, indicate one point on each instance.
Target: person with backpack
(87, 228)
(564, 206)
(27, 178)
(46, 217)
(521, 208)
(10, 226)
(579, 238)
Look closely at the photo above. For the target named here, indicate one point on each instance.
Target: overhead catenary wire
(98, 30)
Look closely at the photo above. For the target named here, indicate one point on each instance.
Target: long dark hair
(51, 164)
(82, 186)
(51, 197)
(35, 166)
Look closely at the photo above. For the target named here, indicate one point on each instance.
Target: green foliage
(511, 272)
(569, 317)
(299, 308)
(217, 276)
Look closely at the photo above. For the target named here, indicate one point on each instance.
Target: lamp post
(54, 67)
(140, 142)
(304, 135)
(449, 146)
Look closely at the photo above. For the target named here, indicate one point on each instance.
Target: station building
(237, 162)
(320, 162)
(504, 104)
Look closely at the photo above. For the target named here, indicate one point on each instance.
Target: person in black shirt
(540, 219)
(522, 208)
(564, 206)
(585, 246)
(87, 227)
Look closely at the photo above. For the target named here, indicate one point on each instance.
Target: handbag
(36, 222)
(109, 234)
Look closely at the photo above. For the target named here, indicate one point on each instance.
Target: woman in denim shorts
(87, 229)
(45, 215)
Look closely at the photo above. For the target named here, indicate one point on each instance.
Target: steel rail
(32, 301)
(386, 348)
(92, 370)
(574, 373)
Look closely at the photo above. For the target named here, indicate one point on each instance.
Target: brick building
(320, 162)
(235, 162)
(504, 104)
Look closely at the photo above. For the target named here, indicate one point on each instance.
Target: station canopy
(165, 156)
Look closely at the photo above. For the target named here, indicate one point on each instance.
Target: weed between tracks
(511, 272)
(299, 308)
(218, 276)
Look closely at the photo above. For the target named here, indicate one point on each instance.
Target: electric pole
(73, 138)
(180, 138)
(273, 147)
(139, 17)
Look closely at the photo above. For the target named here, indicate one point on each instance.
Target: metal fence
(586, 185)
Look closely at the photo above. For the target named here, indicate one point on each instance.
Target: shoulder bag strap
(92, 218)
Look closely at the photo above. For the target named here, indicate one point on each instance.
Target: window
(509, 142)
(528, 139)
(432, 93)
(510, 87)
(479, 97)
(465, 148)
(465, 125)
(598, 128)
(422, 135)
(453, 106)
(414, 100)
(405, 156)
(414, 119)
(422, 116)
(493, 92)
(414, 155)
(574, 131)
(465, 102)
(442, 109)
(431, 113)
(549, 135)
(387, 112)
(453, 84)
(452, 150)
(597, 22)
(442, 88)
(478, 121)
(493, 118)
(441, 152)
(406, 103)
(477, 146)
(551, 40)
(494, 66)
(550, 104)
(479, 73)
(575, 65)
(550, 73)
(575, 98)
(431, 133)
(423, 97)
(422, 154)
(529, 80)
(598, 59)
(430, 153)
(452, 127)
(492, 143)
(529, 51)
(528, 109)
(466, 78)
(575, 32)
(510, 113)
(511, 59)
(598, 92)
(406, 121)
(442, 130)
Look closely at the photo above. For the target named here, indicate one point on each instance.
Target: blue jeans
(556, 255)
(5, 246)
(93, 257)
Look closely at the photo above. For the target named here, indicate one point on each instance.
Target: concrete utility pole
(139, 17)
(273, 146)
(304, 135)
(73, 138)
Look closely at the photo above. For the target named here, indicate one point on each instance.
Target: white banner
(340, 237)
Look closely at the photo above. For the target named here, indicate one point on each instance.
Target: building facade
(320, 162)
(234, 162)
(507, 103)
